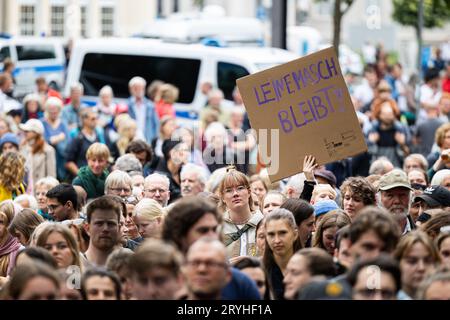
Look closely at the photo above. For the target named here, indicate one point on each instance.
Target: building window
(57, 21)
(325, 8)
(107, 21)
(83, 21)
(27, 20)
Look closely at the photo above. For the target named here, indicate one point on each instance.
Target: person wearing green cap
(395, 196)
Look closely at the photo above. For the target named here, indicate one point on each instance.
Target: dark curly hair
(183, 215)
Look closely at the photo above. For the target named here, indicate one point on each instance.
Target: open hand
(309, 164)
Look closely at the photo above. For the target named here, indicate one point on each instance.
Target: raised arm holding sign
(306, 108)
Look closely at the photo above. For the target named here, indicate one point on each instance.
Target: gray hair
(129, 164)
(439, 177)
(117, 177)
(137, 80)
(54, 101)
(149, 178)
(379, 166)
(426, 284)
(106, 90)
(296, 182)
(77, 86)
(200, 172)
(49, 182)
(31, 200)
(214, 129)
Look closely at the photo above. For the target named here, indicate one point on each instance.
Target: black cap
(325, 290)
(435, 196)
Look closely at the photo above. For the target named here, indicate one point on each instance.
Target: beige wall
(132, 17)
(12, 17)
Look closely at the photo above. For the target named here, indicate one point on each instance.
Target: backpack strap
(236, 235)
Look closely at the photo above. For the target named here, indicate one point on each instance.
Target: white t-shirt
(140, 119)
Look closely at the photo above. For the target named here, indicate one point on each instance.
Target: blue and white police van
(34, 57)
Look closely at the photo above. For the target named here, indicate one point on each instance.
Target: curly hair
(360, 189)
(12, 170)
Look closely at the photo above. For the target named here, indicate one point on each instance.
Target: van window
(4, 53)
(227, 73)
(100, 69)
(35, 52)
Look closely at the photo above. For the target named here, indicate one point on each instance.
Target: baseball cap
(327, 175)
(324, 206)
(325, 290)
(9, 137)
(435, 196)
(394, 179)
(33, 125)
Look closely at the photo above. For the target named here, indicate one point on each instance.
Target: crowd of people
(119, 201)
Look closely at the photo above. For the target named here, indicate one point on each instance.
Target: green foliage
(435, 12)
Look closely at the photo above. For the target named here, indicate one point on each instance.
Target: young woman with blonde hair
(60, 242)
(149, 218)
(418, 258)
(12, 173)
(23, 225)
(240, 217)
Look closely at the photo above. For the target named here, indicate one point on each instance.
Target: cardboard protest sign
(305, 102)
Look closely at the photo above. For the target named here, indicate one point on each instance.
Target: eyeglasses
(370, 293)
(153, 191)
(238, 189)
(119, 190)
(207, 263)
(52, 207)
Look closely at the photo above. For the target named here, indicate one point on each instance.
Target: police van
(98, 62)
(34, 57)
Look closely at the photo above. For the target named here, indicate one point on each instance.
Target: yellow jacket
(6, 194)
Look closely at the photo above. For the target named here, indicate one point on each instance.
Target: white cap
(33, 125)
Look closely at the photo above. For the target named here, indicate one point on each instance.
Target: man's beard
(399, 212)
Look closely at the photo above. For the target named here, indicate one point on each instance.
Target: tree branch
(349, 4)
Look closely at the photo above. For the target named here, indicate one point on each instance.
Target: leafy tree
(435, 13)
(341, 7)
